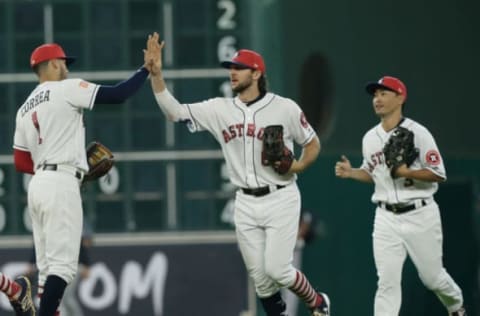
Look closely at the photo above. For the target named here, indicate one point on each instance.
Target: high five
(267, 204)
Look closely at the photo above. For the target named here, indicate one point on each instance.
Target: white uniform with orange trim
(267, 225)
(50, 126)
(416, 233)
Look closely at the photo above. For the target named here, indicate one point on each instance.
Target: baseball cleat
(23, 306)
(324, 308)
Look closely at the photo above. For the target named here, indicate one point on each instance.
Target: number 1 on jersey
(37, 126)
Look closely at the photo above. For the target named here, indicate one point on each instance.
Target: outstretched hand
(153, 54)
(343, 168)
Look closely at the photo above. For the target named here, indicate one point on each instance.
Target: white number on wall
(227, 19)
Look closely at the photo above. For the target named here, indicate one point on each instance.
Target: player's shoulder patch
(303, 120)
(83, 84)
(432, 157)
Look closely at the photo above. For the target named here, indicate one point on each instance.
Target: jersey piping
(194, 121)
(253, 143)
(244, 142)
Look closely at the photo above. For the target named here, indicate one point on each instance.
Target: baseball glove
(400, 149)
(274, 151)
(100, 161)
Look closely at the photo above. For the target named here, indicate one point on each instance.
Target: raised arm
(119, 93)
(154, 62)
(173, 110)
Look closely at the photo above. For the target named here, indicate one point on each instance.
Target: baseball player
(49, 142)
(19, 294)
(407, 218)
(267, 204)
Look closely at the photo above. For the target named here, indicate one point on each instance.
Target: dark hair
(262, 84)
(38, 67)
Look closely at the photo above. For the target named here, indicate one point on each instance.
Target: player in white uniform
(407, 219)
(267, 205)
(49, 142)
(19, 294)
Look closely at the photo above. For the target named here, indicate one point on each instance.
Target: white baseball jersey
(239, 130)
(418, 233)
(50, 125)
(401, 190)
(266, 226)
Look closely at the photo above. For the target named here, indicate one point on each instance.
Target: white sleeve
(365, 164)
(173, 110)
(430, 157)
(80, 93)
(302, 131)
(19, 140)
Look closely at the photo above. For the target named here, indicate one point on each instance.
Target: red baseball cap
(47, 52)
(246, 58)
(389, 83)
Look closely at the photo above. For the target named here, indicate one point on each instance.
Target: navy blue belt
(260, 191)
(401, 208)
(54, 167)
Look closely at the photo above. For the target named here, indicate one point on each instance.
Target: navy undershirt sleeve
(122, 90)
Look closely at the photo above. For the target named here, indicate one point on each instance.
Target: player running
(407, 218)
(267, 204)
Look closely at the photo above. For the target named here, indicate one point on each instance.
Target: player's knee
(264, 285)
(433, 279)
(388, 284)
(279, 273)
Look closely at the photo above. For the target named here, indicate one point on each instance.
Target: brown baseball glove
(100, 161)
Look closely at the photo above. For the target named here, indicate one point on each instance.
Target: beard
(243, 86)
(63, 74)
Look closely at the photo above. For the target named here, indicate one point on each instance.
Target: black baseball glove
(400, 149)
(100, 161)
(274, 151)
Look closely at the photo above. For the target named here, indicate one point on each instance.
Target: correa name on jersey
(40, 97)
(237, 130)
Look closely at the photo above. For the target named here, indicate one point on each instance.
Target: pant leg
(38, 239)
(251, 242)
(281, 223)
(57, 215)
(424, 243)
(267, 230)
(389, 254)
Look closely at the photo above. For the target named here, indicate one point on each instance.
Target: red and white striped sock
(302, 288)
(9, 287)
